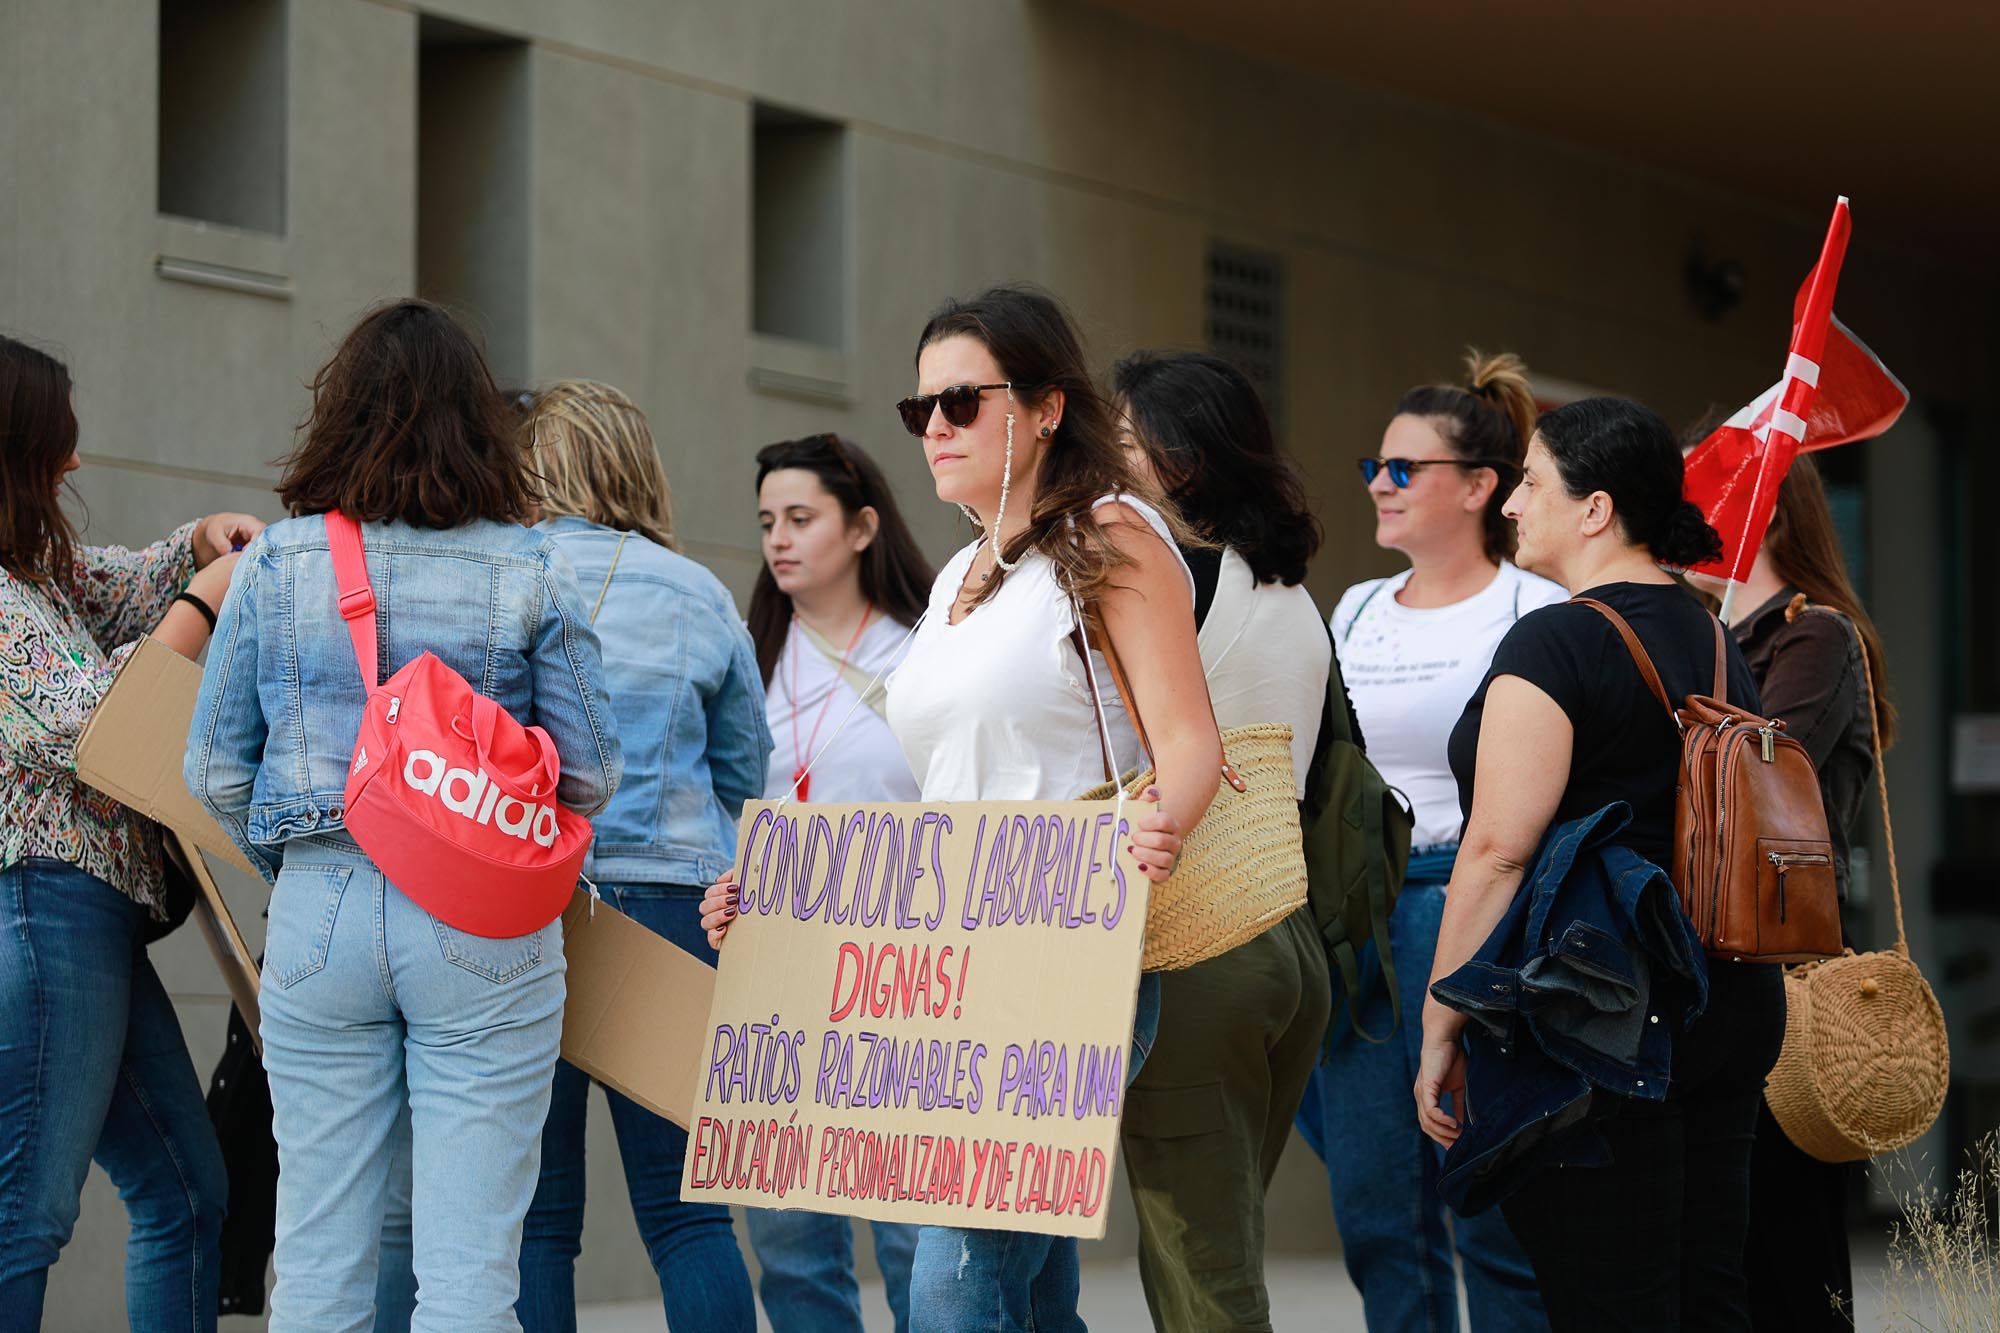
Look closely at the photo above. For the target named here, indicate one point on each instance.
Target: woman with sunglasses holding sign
(1414, 647)
(991, 702)
(842, 583)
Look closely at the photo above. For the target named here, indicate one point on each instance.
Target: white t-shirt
(862, 761)
(1266, 656)
(1410, 671)
(995, 708)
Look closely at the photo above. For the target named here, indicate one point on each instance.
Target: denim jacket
(687, 699)
(281, 699)
(1578, 992)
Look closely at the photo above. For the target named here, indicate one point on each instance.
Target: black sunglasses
(960, 404)
(1402, 469)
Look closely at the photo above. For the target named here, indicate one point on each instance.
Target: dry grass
(1942, 1271)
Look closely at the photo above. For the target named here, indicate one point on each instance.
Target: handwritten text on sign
(923, 1013)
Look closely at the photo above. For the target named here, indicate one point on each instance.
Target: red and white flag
(1834, 391)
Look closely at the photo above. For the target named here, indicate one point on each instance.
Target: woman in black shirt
(1563, 725)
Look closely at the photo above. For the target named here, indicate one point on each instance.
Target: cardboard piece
(131, 749)
(923, 1013)
(218, 926)
(633, 1020)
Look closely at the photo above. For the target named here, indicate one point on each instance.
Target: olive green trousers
(1207, 1119)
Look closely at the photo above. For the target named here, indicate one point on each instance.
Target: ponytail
(1489, 419)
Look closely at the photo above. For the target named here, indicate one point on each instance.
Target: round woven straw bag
(1242, 869)
(1866, 1061)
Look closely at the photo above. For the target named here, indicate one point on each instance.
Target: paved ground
(1306, 1293)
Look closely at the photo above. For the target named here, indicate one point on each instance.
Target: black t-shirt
(1625, 748)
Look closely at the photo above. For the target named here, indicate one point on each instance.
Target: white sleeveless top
(1267, 657)
(995, 708)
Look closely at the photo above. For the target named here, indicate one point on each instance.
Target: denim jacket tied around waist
(281, 697)
(686, 698)
(1577, 993)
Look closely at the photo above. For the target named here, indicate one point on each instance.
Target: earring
(1006, 483)
(1048, 431)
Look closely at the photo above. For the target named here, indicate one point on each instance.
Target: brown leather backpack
(1752, 857)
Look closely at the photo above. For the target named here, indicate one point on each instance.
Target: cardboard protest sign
(636, 1003)
(218, 927)
(923, 1013)
(633, 1019)
(131, 748)
(131, 751)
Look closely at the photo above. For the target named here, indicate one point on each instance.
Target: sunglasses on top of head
(960, 404)
(1402, 470)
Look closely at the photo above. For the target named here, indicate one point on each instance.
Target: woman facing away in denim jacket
(687, 703)
(372, 1008)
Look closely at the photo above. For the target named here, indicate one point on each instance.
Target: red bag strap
(357, 594)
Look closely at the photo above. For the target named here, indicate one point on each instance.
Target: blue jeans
(1360, 1116)
(808, 1281)
(969, 1280)
(373, 1009)
(93, 1065)
(692, 1248)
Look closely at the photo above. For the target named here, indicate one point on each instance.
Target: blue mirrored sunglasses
(1401, 470)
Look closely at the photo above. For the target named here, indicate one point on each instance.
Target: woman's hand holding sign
(718, 908)
(1157, 841)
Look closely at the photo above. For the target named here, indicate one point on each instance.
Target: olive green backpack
(1357, 841)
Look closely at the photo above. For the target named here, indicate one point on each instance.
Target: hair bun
(1688, 540)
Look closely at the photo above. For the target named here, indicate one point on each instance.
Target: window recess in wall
(1244, 319)
(222, 112)
(472, 184)
(798, 253)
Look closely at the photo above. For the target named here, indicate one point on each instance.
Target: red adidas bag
(453, 799)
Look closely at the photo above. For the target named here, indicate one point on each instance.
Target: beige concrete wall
(1041, 140)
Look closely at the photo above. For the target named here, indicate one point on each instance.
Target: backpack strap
(357, 594)
(1639, 654)
(1337, 722)
(1355, 619)
(1721, 693)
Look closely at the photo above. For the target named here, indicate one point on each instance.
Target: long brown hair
(408, 424)
(1804, 550)
(1489, 417)
(595, 459)
(1035, 344)
(37, 437)
(1200, 421)
(895, 577)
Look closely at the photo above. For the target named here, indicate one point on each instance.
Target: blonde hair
(595, 456)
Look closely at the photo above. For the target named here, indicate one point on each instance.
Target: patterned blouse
(59, 650)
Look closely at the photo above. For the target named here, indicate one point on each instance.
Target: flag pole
(1728, 600)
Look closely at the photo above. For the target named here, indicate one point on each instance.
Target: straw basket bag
(1866, 1062)
(1242, 869)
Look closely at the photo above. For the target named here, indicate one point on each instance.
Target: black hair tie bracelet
(199, 605)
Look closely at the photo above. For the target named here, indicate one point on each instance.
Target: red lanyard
(802, 756)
